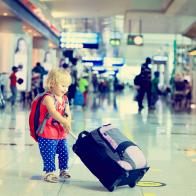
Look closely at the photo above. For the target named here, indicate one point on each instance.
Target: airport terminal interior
(132, 65)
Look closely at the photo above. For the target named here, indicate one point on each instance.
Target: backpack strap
(43, 124)
(66, 102)
(37, 111)
(47, 116)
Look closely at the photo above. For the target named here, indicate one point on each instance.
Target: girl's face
(60, 88)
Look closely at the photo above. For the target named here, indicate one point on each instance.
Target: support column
(16, 49)
(40, 45)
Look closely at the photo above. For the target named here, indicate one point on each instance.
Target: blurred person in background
(13, 87)
(179, 91)
(35, 84)
(39, 69)
(3, 83)
(83, 87)
(155, 89)
(188, 95)
(137, 84)
(95, 83)
(143, 82)
(61, 62)
(66, 67)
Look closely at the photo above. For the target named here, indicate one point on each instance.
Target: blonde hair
(56, 76)
(178, 76)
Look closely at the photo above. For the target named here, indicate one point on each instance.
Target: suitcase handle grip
(122, 147)
(83, 133)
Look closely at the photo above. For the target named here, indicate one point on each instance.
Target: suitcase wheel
(133, 184)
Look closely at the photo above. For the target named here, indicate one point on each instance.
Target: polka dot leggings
(48, 149)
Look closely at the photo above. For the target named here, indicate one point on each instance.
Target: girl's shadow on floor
(96, 186)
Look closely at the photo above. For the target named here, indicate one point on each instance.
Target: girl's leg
(140, 98)
(62, 151)
(48, 150)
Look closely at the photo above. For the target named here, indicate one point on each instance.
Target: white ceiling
(103, 8)
(188, 8)
(157, 16)
(5, 10)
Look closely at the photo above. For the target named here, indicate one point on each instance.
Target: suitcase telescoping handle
(73, 135)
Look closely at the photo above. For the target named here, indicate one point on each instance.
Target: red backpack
(34, 125)
(35, 114)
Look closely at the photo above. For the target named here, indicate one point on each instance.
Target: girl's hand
(67, 126)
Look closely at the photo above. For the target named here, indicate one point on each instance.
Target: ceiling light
(192, 52)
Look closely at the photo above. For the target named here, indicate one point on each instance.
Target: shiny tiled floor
(168, 140)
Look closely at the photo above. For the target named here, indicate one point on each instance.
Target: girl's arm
(49, 102)
(68, 113)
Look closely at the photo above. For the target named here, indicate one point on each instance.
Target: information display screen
(79, 40)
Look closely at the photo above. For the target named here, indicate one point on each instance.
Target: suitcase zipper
(106, 141)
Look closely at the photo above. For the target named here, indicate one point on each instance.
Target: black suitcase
(98, 156)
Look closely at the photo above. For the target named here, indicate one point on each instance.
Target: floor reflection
(166, 138)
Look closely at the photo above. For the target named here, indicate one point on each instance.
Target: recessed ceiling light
(50, 45)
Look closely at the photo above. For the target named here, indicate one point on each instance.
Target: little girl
(52, 140)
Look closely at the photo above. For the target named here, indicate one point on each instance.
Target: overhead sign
(115, 42)
(79, 40)
(160, 58)
(135, 40)
(114, 61)
(96, 61)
